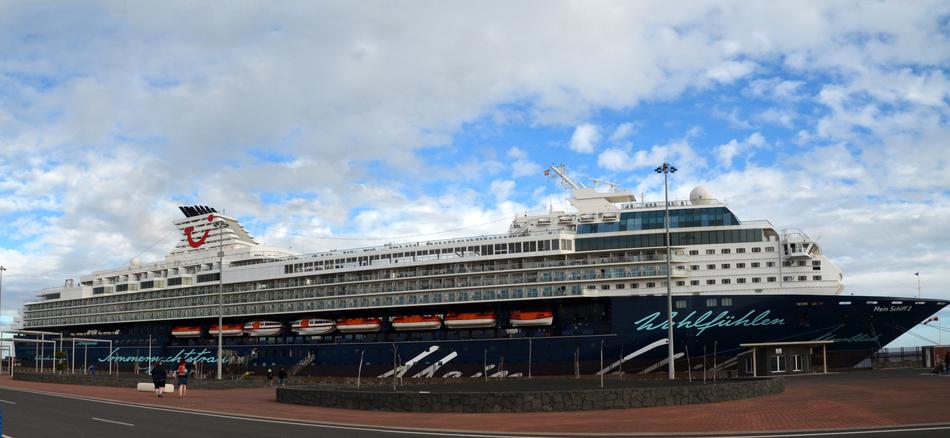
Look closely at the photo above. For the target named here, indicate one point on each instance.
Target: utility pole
(220, 225)
(666, 169)
(1, 294)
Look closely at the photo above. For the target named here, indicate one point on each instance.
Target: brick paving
(857, 399)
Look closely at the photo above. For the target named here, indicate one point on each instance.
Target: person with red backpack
(182, 374)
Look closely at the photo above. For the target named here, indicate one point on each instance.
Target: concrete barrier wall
(533, 401)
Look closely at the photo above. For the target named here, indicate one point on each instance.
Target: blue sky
(327, 125)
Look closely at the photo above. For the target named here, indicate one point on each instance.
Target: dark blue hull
(584, 329)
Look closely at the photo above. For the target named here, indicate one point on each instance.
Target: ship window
(756, 279)
(726, 250)
(710, 251)
(711, 281)
(710, 266)
(740, 265)
(711, 302)
(604, 287)
(725, 266)
(681, 283)
(769, 249)
(756, 249)
(802, 277)
(620, 286)
(777, 364)
(740, 250)
(740, 280)
(651, 284)
(694, 252)
(770, 264)
(801, 263)
(726, 281)
(816, 277)
(756, 264)
(694, 282)
(787, 278)
(726, 301)
(634, 285)
(694, 267)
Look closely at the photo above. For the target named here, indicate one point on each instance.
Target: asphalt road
(37, 415)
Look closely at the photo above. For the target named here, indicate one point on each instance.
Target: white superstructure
(610, 245)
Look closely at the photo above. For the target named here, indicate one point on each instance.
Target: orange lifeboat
(470, 320)
(186, 332)
(229, 330)
(313, 326)
(357, 325)
(531, 319)
(263, 328)
(417, 322)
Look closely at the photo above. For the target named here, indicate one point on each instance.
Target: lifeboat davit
(186, 332)
(470, 320)
(229, 330)
(263, 328)
(357, 325)
(313, 326)
(417, 322)
(531, 319)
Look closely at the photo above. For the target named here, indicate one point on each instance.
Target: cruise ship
(555, 294)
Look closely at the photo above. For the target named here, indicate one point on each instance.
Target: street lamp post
(220, 225)
(1, 293)
(1, 316)
(666, 169)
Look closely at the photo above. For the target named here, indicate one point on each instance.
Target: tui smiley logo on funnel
(196, 243)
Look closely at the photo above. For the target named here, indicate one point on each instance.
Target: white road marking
(7, 401)
(430, 432)
(113, 422)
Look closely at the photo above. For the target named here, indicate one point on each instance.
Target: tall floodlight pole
(1, 315)
(916, 274)
(1, 293)
(220, 225)
(666, 169)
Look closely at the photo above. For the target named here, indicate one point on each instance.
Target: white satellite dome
(701, 195)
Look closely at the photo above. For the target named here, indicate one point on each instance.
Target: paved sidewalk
(858, 399)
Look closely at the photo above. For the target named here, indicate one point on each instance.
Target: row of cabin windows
(652, 220)
(431, 254)
(738, 265)
(676, 239)
(729, 250)
(710, 302)
(709, 282)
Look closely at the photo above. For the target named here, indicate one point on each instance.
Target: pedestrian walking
(158, 378)
(282, 376)
(182, 374)
(270, 378)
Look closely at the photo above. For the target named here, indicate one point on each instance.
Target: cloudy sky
(339, 124)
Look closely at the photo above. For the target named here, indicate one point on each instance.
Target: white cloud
(730, 150)
(502, 188)
(585, 138)
(622, 131)
(615, 159)
(680, 153)
(522, 166)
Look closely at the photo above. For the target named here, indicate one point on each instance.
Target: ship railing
(393, 246)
